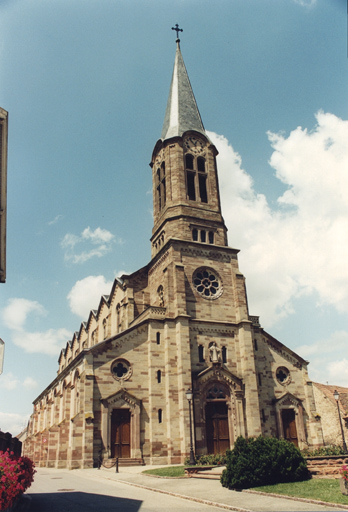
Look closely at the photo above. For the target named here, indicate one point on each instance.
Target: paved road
(57, 490)
(68, 491)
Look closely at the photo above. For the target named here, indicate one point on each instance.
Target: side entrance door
(289, 426)
(216, 417)
(120, 433)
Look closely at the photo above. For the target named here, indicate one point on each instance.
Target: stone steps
(109, 463)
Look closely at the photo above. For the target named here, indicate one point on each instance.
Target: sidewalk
(207, 491)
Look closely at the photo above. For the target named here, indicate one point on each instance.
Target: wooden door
(120, 433)
(216, 416)
(289, 426)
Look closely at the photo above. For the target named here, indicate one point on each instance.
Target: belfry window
(203, 188)
(191, 192)
(189, 161)
(196, 178)
(201, 164)
(161, 186)
(195, 235)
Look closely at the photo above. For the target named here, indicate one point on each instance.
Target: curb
(231, 507)
(303, 500)
(189, 498)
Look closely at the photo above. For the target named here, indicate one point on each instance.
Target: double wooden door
(120, 433)
(216, 417)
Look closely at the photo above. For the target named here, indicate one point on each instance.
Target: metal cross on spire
(177, 29)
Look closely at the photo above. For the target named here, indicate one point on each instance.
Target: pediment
(121, 399)
(288, 400)
(217, 372)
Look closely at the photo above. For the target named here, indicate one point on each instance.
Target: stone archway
(219, 411)
(121, 426)
(290, 421)
(217, 418)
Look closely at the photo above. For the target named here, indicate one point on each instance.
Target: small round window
(121, 369)
(207, 283)
(283, 375)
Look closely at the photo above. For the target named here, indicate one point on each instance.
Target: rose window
(283, 375)
(207, 283)
(121, 369)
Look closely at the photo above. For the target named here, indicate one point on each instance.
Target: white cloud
(15, 317)
(55, 220)
(306, 3)
(13, 423)
(326, 362)
(48, 342)
(86, 293)
(300, 247)
(338, 372)
(87, 245)
(15, 314)
(30, 383)
(8, 381)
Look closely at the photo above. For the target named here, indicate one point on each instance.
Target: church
(172, 363)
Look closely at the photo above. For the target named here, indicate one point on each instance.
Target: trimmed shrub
(263, 461)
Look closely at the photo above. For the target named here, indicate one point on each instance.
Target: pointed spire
(182, 113)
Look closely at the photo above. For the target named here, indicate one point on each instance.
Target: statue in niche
(214, 353)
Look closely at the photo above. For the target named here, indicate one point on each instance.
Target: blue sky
(86, 82)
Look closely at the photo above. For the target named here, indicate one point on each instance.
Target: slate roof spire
(182, 113)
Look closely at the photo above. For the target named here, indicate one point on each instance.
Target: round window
(121, 369)
(283, 375)
(207, 283)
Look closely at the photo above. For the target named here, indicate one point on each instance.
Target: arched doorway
(216, 420)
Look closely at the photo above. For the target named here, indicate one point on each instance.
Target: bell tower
(186, 200)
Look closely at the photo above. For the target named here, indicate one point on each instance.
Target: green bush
(263, 461)
(324, 451)
(219, 459)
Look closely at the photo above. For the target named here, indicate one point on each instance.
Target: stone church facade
(180, 323)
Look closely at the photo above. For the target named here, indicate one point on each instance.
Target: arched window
(163, 182)
(161, 186)
(211, 237)
(159, 415)
(203, 236)
(194, 235)
(159, 376)
(159, 195)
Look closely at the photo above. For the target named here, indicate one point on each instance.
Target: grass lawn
(324, 489)
(170, 471)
